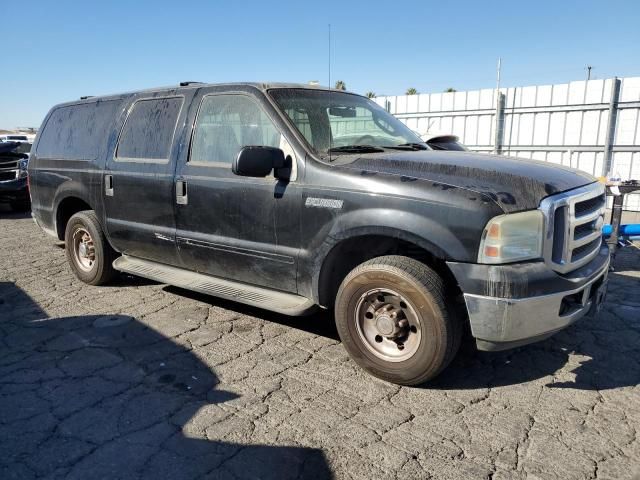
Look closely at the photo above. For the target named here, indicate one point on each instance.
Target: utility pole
(499, 124)
(329, 56)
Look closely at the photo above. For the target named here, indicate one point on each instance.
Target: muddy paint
(513, 183)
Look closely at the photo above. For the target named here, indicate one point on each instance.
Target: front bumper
(512, 305)
(14, 190)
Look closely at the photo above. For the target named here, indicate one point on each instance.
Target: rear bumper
(512, 305)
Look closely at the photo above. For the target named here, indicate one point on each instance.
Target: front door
(239, 228)
(138, 183)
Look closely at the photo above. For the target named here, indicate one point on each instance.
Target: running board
(273, 300)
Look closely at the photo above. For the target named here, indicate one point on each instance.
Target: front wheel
(392, 316)
(88, 250)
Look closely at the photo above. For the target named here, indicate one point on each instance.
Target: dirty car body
(516, 242)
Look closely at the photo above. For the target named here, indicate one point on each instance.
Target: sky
(59, 51)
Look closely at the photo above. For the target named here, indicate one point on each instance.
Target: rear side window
(149, 129)
(76, 132)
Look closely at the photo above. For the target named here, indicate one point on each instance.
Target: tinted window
(226, 123)
(149, 128)
(77, 132)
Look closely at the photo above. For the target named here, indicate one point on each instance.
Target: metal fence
(591, 125)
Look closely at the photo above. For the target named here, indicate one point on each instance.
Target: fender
(69, 189)
(424, 232)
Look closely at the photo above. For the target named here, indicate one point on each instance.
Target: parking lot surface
(138, 379)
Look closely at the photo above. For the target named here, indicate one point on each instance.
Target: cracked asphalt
(142, 380)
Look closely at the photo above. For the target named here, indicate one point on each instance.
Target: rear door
(240, 228)
(138, 186)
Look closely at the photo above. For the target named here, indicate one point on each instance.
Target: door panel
(139, 196)
(240, 228)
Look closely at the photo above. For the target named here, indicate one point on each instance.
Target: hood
(514, 184)
(9, 150)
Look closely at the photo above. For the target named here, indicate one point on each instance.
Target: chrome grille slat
(578, 242)
(588, 218)
(574, 222)
(587, 206)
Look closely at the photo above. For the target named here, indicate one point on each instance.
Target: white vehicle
(17, 137)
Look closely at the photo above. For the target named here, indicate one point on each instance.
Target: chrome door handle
(108, 185)
(181, 193)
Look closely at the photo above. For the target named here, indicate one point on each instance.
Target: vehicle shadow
(606, 346)
(108, 397)
(320, 322)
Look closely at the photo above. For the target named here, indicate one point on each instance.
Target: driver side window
(226, 124)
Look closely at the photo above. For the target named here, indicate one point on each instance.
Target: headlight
(22, 165)
(513, 237)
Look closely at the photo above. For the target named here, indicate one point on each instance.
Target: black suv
(290, 197)
(14, 188)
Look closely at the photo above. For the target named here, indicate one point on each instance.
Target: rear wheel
(393, 319)
(88, 250)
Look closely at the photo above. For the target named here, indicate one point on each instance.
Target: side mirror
(258, 161)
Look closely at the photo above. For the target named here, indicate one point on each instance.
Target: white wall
(563, 123)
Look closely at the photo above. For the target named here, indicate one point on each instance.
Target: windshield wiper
(408, 146)
(355, 149)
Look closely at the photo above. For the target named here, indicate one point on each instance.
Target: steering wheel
(365, 140)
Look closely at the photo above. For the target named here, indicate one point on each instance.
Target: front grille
(586, 207)
(584, 250)
(5, 176)
(574, 220)
(583, 230)
(11, 164)
(8, 169)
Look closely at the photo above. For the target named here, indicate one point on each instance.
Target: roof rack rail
(85, 97)
(186, 84)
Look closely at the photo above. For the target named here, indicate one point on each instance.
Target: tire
(99, 270)
(430, 334)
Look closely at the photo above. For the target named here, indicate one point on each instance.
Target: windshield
(343, 122)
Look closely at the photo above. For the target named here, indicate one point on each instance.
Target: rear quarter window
(148, 131)
(76, 132)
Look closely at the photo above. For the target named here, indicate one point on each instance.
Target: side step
(273, 300)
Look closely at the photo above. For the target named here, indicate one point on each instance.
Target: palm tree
(340, 85)
(411, 91)
(370, 95)
(450, 90)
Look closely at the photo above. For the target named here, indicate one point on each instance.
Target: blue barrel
(630, 230)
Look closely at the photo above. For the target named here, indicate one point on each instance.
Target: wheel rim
(83, 249)
(388, 325)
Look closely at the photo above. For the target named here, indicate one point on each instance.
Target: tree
(412, 91)
(370, 95)
(340, 85)
(450, 89)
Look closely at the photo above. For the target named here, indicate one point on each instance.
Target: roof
(263, 86)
